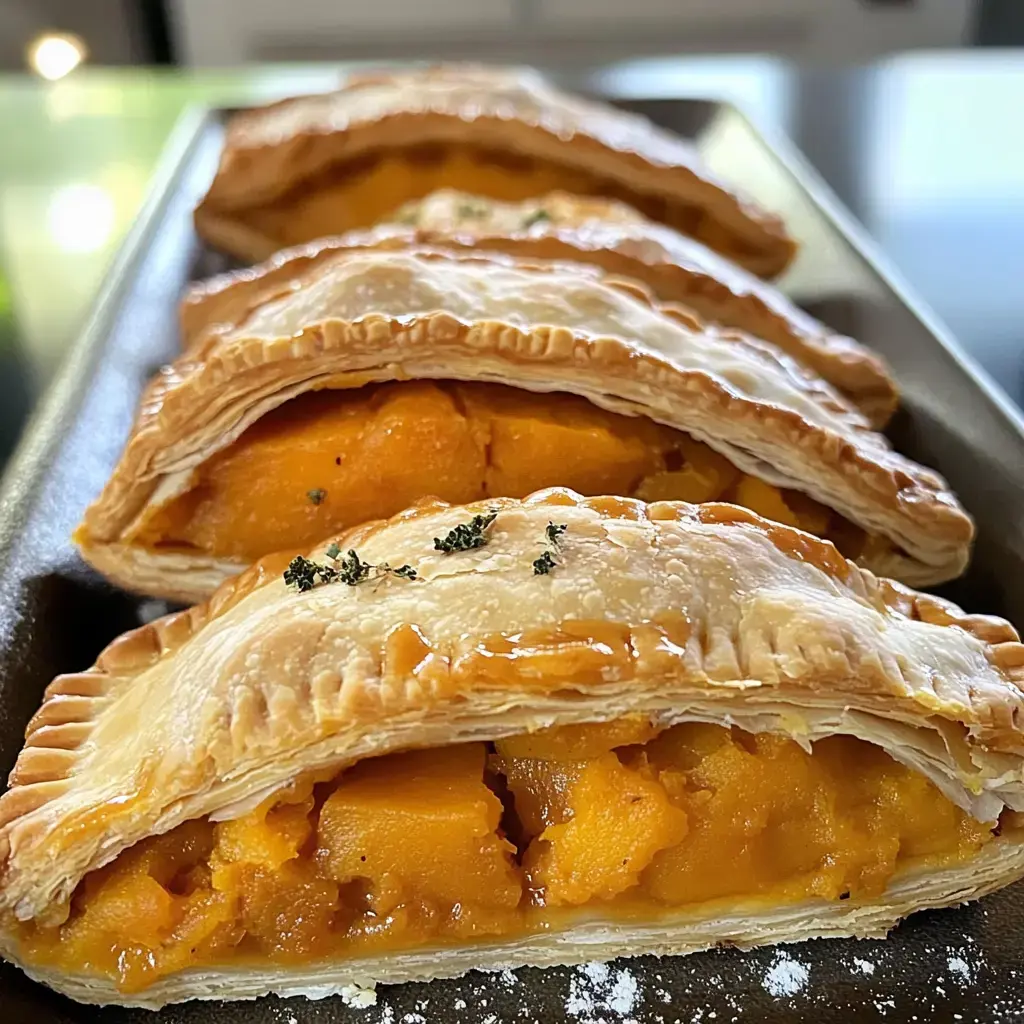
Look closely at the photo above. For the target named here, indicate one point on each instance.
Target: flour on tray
(785, 977)
(597, 989)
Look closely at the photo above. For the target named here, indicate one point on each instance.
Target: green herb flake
(301, 573)
(537, 217)
(305, 574)
(469, 210)
(466, 536)
(353, 569)
(554, 531)
(543, 565)
(547, 561)
(317, 495)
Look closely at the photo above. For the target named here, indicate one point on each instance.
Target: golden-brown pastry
(320, 165)
(342, 387)
(296, 787)
(676, 268)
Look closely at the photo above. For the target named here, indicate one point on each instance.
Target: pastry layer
(330, 460)
(621, 241)
(316, 165)
(448, 626)
(451, 846)
(566, 328)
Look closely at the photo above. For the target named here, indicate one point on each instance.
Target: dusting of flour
(785, 977)
(358, 996)
(597, 989)
(960, 969)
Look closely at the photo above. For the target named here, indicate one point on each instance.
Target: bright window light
(81, 218)
(55, 54)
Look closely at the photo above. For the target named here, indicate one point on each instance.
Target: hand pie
(322, 165)
(674, 267)
(707, 728)
(343, 387)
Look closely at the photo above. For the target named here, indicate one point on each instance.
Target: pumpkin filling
(329, 460)
(484, 842)
(363, 192)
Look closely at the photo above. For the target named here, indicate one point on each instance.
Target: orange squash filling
(363, 192)
(329, 460)
(534, 833)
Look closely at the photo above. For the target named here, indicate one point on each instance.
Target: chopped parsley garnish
(353, 569)
(305, 574)
(547, 561)
(554, 531)
(302, 573)
(469, 210)
(536, 218)
(543, 565)
(316, 495)
(466, 536)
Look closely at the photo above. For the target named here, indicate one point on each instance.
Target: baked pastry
(407, 757)
(341, 387)
(676, 268)
(321, 165)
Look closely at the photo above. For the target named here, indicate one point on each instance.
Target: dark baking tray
(56, 614)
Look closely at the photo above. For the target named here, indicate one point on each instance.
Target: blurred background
(913, 110)
(219, 33)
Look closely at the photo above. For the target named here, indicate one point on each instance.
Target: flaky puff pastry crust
(676, 268)
(272, 151)
(342, 317)
(675, 611)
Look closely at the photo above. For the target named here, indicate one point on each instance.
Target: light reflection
(81, 218)
(55, 54)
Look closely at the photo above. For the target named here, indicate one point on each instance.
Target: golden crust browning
(617, 239)
(273, 150)
(673, 610)
(560, 226)
(301, 324)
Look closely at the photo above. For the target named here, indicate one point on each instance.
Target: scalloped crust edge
(857, 372)
(70, 702)
(636, 150)
(907, 503)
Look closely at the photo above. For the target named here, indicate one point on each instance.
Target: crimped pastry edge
(852, 471)
(979, 753)
(622, 248)
(263, 158)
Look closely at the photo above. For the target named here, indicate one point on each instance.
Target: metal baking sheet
(56, 614)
